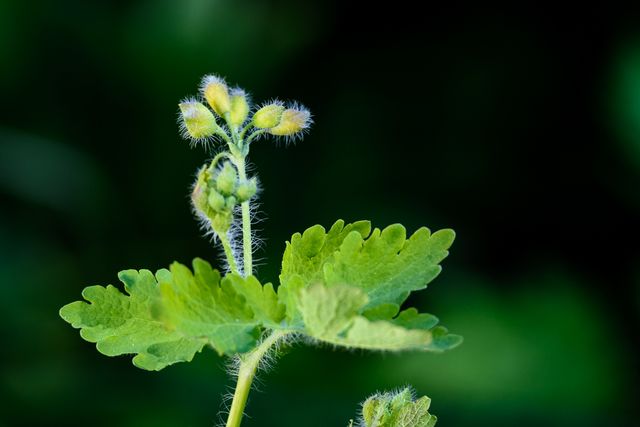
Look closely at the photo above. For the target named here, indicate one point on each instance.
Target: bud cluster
(217, 192)
(223, 193)
(233, 106)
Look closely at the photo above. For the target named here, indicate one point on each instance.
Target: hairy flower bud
(199, 195)
(268, 116)
(216, 200)
(197, 120)
(293, 120)
(239, 107)
(227, 179)
(247, 189)
(215, 91)
(231, 203)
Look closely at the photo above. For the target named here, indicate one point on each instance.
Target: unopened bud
(198, 120)
(247, 189)
(215, 200)
(216, 93)
(226, 179)
(239, 107)
(199, 197)
(268, 116)
(293, 120)
(231, 203)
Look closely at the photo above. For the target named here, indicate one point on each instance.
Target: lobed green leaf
(345, 286)
(168, 318)
(124, 324)
(227, 313)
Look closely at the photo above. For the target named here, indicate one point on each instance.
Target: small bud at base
(227, 179)
(246, 190)
(215, 200)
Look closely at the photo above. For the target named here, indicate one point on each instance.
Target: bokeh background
(518, 128)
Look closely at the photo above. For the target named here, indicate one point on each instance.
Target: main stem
(247, 371)
(247, 245)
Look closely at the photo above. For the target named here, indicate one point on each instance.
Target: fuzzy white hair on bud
(294, 124)
(196, 123)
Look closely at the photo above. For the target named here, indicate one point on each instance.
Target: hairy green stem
(246, 372)
(228, 252)
(255, 135)
(247, 246)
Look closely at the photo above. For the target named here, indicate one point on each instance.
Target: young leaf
(124, 324)
(397, 410)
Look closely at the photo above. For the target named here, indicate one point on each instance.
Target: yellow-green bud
(239, 107)
(247, 190)
(216, 93)
(197, 119)
(293, 120)
(231, 202)
(226, 179)
(199, 196)
(215, 200)
(268, 116)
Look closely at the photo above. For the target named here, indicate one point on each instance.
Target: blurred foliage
(516, 128)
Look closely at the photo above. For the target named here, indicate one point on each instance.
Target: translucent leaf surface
(345, 286)
(123, 323)
(168, 318)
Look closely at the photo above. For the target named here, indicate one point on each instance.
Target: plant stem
(247, 246)
(248, 365)
(228, 252)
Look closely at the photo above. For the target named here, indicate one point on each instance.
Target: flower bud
(268, 116)
(247, 189)
(239, 107)
(231, 203)
(199, 196)
(215, 200)
(197, 119)
(293, 120)
(216, 93)
(226, 179)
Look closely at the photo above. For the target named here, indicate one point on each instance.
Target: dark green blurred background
(518, 128)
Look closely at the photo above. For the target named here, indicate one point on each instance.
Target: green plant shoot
(343, 285)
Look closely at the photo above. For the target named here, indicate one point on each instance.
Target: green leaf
(332, 315)
(385, 265)
(168, 318)
(227, 313)
(345, 286)
(397, 410)
(124, 324)
(305, 256)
